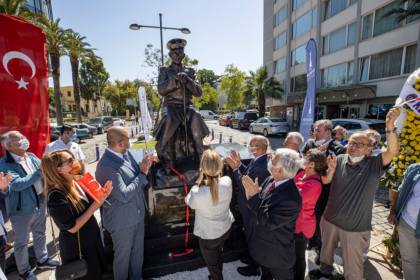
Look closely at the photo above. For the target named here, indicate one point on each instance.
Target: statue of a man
(181, 131)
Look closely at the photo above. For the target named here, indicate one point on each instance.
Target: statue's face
(177, 56)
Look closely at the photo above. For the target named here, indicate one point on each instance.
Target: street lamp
(135, 26)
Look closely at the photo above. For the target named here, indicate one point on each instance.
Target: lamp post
(135, 26)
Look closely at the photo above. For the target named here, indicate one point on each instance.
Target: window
(379, 111)
(319, 113)
(280, 16)
(61, 93)
(367, 26)
(280, 65)
(350, 73)
(69, 93)
(298, 83)
(297, 3)
(334, 75)
(325, 45)
(365, 69)
(411, 18)
(302, 25)
(410, 59)
(299, 56)
(333, 7)
(339, 39)
(314, 17)
(351, 36)
(280, 41)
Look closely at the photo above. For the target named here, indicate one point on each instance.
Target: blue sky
(222, 32)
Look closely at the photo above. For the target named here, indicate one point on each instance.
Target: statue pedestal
(166, 221)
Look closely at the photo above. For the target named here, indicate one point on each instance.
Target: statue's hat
(175, 44)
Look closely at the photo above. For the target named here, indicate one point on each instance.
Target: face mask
(75, 168)
(302, 163)
(73, 137)
(356, 159)
(269, 166)
(250, 150)
(322, 141)
(24, 144)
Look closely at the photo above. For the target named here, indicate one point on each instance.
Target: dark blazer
(255, 169)
(334, 148)
(272, 226)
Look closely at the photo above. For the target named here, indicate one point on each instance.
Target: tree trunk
(261, 104)
(55, 64)
(76, 86)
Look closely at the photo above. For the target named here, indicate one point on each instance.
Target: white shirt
(82, 191)
(278, 183)
(411, 210)
(29, 168)
(211, 221)
(59, 145)
(115, 153)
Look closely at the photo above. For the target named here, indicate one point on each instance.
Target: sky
(222, 32)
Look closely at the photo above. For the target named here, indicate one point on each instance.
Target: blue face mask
(73, 136)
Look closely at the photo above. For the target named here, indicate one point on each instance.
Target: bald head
(116, 134)
(261, 143)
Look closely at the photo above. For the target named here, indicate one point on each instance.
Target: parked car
(354, 125)
(243, 120)
(207, 114)
(101, 123)
(225, 120)
(92, 130)
(269, 126)
(82, 133)
(54, 134)
(118, 121)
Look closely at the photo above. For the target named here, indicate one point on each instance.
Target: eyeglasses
(358, 145)
(69, 161)
(287, 143)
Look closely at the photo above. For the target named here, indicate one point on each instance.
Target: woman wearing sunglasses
(72, 211)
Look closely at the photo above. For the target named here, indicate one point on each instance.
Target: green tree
(118, 92)
(51, 97)
(400, 13)
(57, 37)
(209, 98)
(93, 78)
(77, 50)
(206, 76)
(260, 87)
(232, 84)
(187, 61)
(18, 9)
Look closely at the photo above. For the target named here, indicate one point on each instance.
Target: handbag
(75, 269)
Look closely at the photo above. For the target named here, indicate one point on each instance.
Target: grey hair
(371, 138)
(297, 136)
(5, 138)
(375, 135)
(344, 131)
(289, 161)
(326, 123)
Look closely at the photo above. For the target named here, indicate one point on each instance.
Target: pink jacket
(310, 190)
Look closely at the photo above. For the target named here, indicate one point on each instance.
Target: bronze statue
(181, 131)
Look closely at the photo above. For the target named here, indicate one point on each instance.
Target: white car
(354, 125)
(118, 121)
(207, 114)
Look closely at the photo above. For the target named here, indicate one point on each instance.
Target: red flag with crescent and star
(24, 93)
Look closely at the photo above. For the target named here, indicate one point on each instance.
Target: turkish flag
(24, 82)
(91, 186)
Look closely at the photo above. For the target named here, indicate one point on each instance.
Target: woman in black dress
(72, 211)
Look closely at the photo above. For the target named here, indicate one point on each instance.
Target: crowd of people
(290, 201)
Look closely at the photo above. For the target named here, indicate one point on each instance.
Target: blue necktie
(126, 158)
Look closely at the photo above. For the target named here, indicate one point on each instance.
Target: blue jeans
(22, 226)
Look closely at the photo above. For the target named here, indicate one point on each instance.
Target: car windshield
(95, 120)
(276, 120)
(116, 119)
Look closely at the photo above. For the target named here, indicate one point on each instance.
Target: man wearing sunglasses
(354, 178)
(25, 203)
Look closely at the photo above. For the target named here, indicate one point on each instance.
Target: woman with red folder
(72, 211)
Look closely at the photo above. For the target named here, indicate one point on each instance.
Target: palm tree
(76, 50)
(57, 38)
(400, 13)
(260, 87)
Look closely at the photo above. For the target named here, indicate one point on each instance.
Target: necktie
(126, 158)
(271, 188)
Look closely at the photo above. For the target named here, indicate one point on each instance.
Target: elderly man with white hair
(375, 149)
(340, 134)
(294, 141)
(275, 207)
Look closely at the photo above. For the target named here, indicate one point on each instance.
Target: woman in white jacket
(211, 200)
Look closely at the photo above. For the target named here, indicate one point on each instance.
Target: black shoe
(245, 260)
(209, 277)
(48, 264)
(247, 271)
(318, 274)
(318, 260)
(28, 275)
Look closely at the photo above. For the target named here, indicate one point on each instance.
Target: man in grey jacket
(124, 218)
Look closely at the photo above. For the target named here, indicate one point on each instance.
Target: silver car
(269, 126)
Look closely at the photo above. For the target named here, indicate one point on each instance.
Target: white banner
(144, 112)
(409, 93)
(102, 105)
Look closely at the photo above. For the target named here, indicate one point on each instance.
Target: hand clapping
(5, 180)
(251, 188)
(108, 189)
(234, 160)
(146, 163)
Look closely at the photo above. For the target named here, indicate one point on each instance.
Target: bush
(140, 138)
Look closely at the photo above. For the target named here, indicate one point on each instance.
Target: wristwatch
(392, 131)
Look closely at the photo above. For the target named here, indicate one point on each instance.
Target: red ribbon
(187, 251)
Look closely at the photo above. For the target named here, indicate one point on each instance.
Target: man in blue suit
(4, 192)
(124, 218)
(256, 169)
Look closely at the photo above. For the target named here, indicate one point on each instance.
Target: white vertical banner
(144, 113)
(102, 105)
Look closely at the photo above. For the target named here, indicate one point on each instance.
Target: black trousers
(275, 273)
(301, 241)
(212, 251)
(2, 254)
(316, 240)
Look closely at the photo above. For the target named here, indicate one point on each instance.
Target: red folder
(91, 186)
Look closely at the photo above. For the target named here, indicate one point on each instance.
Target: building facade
(363, 58)
(93, 106)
